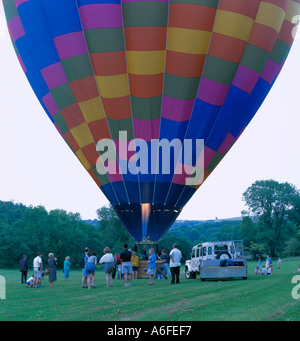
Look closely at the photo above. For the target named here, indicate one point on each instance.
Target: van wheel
(223, 255)
(188, 274)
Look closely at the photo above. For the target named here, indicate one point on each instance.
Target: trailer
(222, 269)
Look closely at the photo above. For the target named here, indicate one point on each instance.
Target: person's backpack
(84, 258)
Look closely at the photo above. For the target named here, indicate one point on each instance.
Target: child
(119, 264)
(263, 270)
(30, 281)
(257, 270)
(267, 263)
(151, 266)
(135, 264)
(67, 265)
(279, 263)
(259, 263)
(270, 270)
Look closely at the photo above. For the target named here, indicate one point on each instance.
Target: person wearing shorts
(135, 264)
(89, 270)
(108, 261)
(37, 268)
(151, 266)
(126, 265)
(84, 260)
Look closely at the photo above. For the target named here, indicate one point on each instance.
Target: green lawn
(257, 298)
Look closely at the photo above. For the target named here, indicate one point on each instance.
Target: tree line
(28, 230)
(270, 225)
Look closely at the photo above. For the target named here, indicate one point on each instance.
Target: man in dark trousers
(175, 262)
(23, 268)
(125, 256)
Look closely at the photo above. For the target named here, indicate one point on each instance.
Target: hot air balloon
(131, 71)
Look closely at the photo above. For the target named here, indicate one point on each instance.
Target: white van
(209, 251)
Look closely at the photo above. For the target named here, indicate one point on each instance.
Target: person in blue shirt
(259, 263)
(151, 266)
(67, 265)
(84, 260)
(89, 270)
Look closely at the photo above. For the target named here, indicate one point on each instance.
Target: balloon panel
(157, 70)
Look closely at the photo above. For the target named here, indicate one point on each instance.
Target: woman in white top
(108, 260)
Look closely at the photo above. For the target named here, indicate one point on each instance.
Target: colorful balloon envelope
(148, 77)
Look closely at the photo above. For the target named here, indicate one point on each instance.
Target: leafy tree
(271, 203)
(256, 249)
(248, 231)
(183, 245)
(112, 232)
(228, 232)
(293, 246)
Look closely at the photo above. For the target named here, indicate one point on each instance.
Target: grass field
(263, 298)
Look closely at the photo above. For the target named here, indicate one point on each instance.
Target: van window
(204, 251)
(220, 247)
(193, 253)
(209, 251)
(232, 249)
(198, 252)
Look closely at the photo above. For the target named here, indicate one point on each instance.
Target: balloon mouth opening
(147, 222)
(145, 219)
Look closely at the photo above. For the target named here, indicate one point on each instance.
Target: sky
(38, 168)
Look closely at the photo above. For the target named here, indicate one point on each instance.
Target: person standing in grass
(259, 263)
(23, 268)
(52, 263)
(37, 267)
(279, 263)
(267, 263)
(165, 258)
(90, 269)
(84, 260)
(135, 264)
(125, 256)
(151, 266)
(67, 266)
(108, 261)
(175, 262)
(119, 266)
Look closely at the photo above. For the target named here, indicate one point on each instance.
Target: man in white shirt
(37, 267)
(175, 259)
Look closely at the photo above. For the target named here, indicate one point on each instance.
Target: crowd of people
(124, 265)
(268, 268)
(35, 280)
